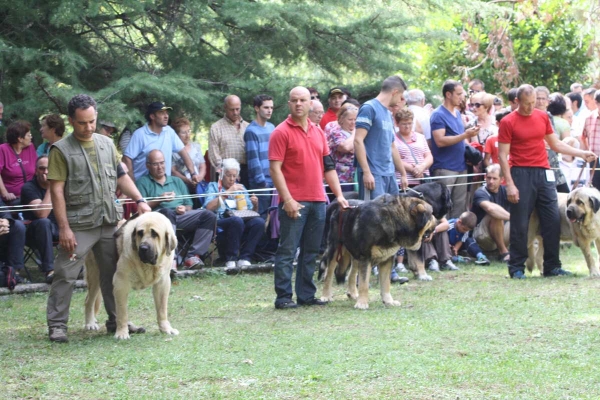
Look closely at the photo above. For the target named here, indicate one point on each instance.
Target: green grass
(471, 334)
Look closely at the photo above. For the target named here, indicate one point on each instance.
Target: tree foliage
(189, 53)
(507, 47)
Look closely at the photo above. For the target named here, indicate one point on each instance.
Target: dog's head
(437, 195)
(152, 236)
(582, 203)
(421, 213)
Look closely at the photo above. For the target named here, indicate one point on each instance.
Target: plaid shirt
(226, 141)
(591, 131)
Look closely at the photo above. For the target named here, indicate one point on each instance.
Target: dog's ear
(418, 209)
(133, 238)
(170, 241)
(595, 203)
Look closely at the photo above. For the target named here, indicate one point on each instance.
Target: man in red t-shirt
(299, 158)
(336, 98)
(530, 181)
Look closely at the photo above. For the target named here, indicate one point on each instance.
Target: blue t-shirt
(257, 154)
(450, 157)
(377, 120)
(143, 141)
(454, 236)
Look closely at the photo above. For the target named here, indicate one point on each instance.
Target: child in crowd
(458, 236)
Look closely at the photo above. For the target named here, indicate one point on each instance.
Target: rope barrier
(256, 192)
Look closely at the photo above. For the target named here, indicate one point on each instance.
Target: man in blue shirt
(155, 135)
(448, 137)
(257, 150)
(374, 147)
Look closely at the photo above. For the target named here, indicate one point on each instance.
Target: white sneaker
(230, 264)
(400, 268)
(433, 265)
(449, 265)
(243, 263)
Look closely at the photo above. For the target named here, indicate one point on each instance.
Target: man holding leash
(299, 145)
(530, 182)
(84, 174)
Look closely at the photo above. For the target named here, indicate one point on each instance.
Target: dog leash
(583, 167)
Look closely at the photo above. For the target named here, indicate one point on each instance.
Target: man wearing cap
(107, 128)
(226, 139)
(155, 135)
(336, 98)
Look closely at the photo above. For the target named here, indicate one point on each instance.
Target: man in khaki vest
(84, 175)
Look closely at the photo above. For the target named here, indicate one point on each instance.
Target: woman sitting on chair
(236, 239)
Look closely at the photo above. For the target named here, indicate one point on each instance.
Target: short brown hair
(404, 115)
(16, 130)
(179, 122)
(468, 219)
(55, 121)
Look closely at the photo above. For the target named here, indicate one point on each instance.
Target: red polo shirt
(526, 134)
(329, 116)
(301, 154)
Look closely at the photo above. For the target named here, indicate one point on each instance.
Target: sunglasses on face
(476, 105)
(315, 97)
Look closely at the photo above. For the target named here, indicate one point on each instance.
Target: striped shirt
(591, 131)
(226, 141)
(419, 147)
(257, 154)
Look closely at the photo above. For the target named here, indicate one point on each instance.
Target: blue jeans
(383, 184)
(305, 231)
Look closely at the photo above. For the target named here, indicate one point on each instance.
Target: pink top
(10, 170)
(418, 145)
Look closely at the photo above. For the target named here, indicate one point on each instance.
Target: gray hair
(493, 168)
(575, 86)
(229, 164)
(524, 89)
(414, 97)
(543, 89)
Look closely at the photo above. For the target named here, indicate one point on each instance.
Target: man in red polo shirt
(530, 181)
(299, 158)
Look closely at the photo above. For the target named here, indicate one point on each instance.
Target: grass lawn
(471, 334)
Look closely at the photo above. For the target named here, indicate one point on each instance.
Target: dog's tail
(342, 267)
(332, 221)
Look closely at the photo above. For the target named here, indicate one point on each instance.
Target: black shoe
(110, 328)
(557, 272)
(313, 302)
(20, 280)
(286, 305)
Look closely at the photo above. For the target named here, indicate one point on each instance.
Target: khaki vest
(90, 203)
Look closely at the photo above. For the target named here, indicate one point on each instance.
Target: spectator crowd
(261, 188)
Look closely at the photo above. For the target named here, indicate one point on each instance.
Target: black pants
(534, 192)
(41, 233)
(596, 177)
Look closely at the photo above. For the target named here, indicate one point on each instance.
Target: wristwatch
(142, 200)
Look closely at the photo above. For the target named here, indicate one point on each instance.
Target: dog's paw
(92, 326)
(595, 274)
(122, 334)
(352, 296)
(393, 303)
(327, 299)
(361, 305)
(425, 277)
(168, 329)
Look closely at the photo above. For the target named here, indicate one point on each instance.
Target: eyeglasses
(317, 112)
(315, 97)
(476, 105)
(541, 98)
(157, 164)
(231, 176)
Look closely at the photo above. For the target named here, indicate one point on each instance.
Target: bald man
(297, 145)
(226, 139)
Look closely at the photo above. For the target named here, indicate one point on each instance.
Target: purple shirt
(10, 170)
